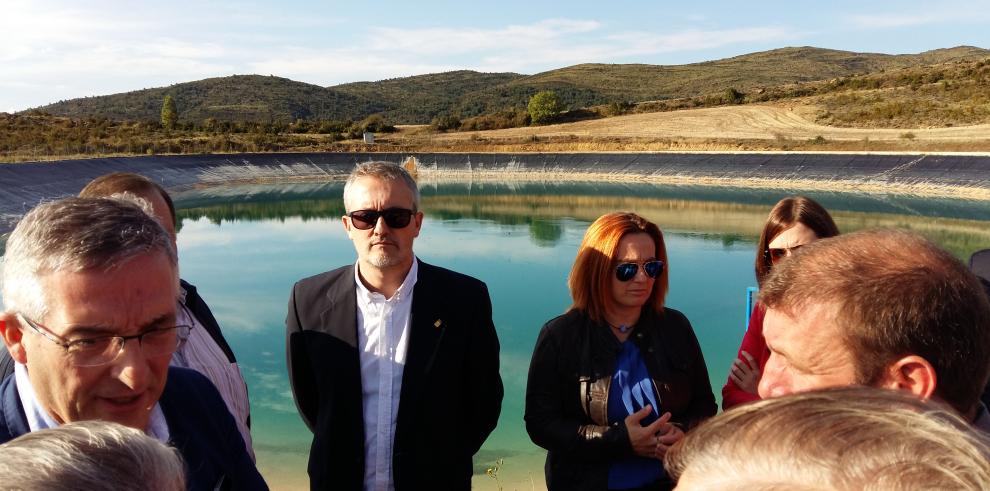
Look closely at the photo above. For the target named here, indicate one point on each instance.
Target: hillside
(592, 84)
(418, 99)
(421, 98)
(234, 98)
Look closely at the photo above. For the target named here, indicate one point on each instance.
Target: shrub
(544, 107)
(446, 123)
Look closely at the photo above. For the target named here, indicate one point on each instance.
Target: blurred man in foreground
(89, 287)
(883, 308)
(91, 455)
(841, 438)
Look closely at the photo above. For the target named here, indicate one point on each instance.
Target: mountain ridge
(420, 98)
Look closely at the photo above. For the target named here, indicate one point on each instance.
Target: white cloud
(58, 50)
(881, 21)
(942, 14)
(641, 43)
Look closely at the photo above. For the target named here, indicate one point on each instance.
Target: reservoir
(244, 246)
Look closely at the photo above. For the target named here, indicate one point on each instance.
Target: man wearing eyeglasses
(89, 287)
(393, 362)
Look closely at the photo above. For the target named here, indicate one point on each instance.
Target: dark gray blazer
(451, 392)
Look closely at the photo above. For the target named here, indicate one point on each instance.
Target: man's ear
(913, 374)
(10, 331)
(418, 222)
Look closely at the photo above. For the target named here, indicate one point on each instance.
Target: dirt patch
(750, 122)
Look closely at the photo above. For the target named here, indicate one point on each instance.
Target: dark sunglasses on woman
(627, 271)
(776, 254)
(394, 218)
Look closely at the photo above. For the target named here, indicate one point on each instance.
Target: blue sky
(53, 50)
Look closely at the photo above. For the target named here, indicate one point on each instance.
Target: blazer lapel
(14, 422)
(339, 318)
(427, 328)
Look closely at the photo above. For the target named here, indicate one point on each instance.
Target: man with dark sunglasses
(393, 362)
(89, 288)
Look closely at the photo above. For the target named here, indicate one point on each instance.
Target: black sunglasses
(394, 218)
(627, 271)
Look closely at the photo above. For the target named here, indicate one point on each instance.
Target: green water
(244, 247)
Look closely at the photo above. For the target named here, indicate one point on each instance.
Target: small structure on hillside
(369, 137)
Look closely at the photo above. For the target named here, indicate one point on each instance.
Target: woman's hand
(669, 435)
(745, 373)
(644, 439)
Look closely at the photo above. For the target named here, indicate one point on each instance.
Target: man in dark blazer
(89, 288)
(199, 426)
(393, 362)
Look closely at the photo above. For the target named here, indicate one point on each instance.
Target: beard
(383, 260)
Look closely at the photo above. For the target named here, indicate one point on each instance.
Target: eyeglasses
(627, 271)
(93, 352)
(394, 218)
(777, 253)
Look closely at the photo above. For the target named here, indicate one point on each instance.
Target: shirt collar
(404, 289)
(39, 419)
(182, 295)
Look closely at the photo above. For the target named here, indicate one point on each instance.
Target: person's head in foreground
(89, 287)
(794, 222)
(621, 266)
(383, 217)
(91, 455)
(117, 183)
(882, 308)
(846, 438)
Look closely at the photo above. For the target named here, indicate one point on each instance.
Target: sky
(54, 50)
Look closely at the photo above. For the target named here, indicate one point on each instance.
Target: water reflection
(244, 246)
(728, 215)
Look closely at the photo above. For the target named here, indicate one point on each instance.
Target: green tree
(733, 96)
(544, 107)
(169, 113)
(446, 122)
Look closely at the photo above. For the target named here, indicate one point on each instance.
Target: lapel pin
(437, 323)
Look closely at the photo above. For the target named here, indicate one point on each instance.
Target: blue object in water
(751, 292)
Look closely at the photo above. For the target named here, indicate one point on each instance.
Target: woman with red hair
(619, 378)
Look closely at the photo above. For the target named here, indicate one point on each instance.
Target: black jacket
(199, 426)
(451, 392)
(567, 392)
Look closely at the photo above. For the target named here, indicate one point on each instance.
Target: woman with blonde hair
(620, 377)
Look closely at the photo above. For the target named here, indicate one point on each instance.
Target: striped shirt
(201, 353)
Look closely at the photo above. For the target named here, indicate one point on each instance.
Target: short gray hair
(839, 438)
(383, 171)
(93, 455)
(74, 235)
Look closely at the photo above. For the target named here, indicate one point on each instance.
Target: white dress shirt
(201, 353)
(383, 336)
(39, 419)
